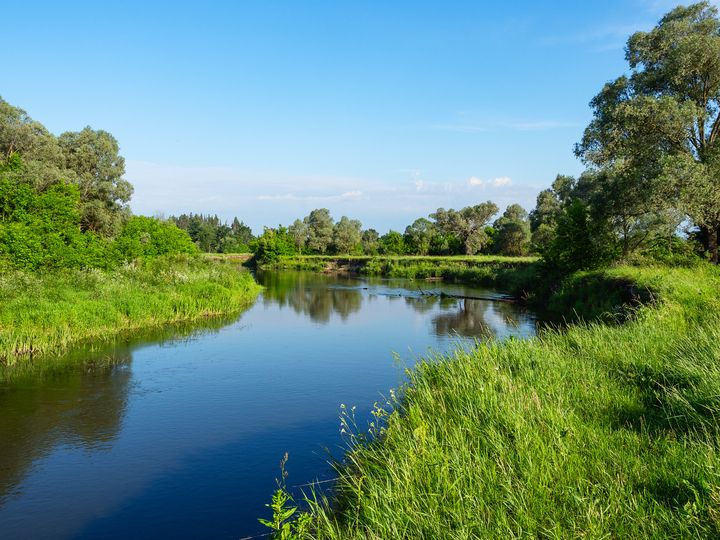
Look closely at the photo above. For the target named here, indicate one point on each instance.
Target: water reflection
(179, 433)
(81, 408)
(310, 295)
(321, 296)
(78, 400)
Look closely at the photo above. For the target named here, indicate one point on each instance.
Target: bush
(273, 244)
(43, 229)
(148, 237)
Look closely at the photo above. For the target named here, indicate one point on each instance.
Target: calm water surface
(181, 436)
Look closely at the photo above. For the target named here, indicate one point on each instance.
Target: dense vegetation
(211, 235)
(75, 265)
(50, 311)
(63, 201)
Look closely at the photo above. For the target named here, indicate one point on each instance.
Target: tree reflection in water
(83, 406)
(321, 296)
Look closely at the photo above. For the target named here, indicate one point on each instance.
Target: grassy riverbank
(43, 312)
(596, 431)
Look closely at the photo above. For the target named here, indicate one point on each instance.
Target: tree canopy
(654, 134)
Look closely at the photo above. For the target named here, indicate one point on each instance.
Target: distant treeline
(468, 231)
(212, 235)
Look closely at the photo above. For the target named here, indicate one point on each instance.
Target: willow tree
(467, 225)
(94, 156)
(656, 131)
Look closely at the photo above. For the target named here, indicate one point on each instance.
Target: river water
(179, 434)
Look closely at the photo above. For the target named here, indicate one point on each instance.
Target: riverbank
(512, 274)
(599, 430)
(48, 312)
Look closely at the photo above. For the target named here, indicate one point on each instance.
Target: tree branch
(715, 129)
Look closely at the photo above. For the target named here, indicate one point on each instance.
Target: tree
(104, 193)
(241, 232)
(512, 231)
(370, 242)
(657, 130)
(299, 233)
(467, 225)
(320, 230)
(419, 235)
(392, 243)
(347, 236)
(273, 244)
(580, 243)
(22, 135)
(149, 237)
(212, 235)
(548, 207)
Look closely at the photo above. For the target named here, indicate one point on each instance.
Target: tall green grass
(47, 312)
(595, 431)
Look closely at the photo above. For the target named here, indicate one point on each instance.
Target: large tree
(548, 208)
(104, 193)
(320, 230)
(419, 235)
(656, 131)
(468, 225)
(512, 231)
(347, 236)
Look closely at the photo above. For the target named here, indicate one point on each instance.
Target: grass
(597, 431)
(49, 312)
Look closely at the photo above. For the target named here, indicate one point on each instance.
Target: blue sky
(382, 111)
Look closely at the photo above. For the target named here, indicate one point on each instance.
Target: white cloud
(268, 199)
(501, 181)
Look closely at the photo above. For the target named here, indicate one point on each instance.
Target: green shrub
(149, 237)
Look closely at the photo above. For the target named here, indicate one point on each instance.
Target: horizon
(383, 114)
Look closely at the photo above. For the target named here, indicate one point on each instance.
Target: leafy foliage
(655, 133)
(273, 244)
(211, 235)
(149, 237)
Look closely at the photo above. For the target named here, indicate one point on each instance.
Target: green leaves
(654, 133)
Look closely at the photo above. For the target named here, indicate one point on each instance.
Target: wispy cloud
(265, 199)
(460, 128)
(599, 39)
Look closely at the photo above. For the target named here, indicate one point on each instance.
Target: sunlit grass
(596, 431)
(51, 311)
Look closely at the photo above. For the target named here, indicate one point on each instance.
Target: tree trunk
(713, 243)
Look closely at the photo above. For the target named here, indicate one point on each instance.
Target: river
(179, 434)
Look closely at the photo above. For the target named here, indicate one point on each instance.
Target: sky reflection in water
(182, 436)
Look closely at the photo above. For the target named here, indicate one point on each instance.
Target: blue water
(182, 436)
